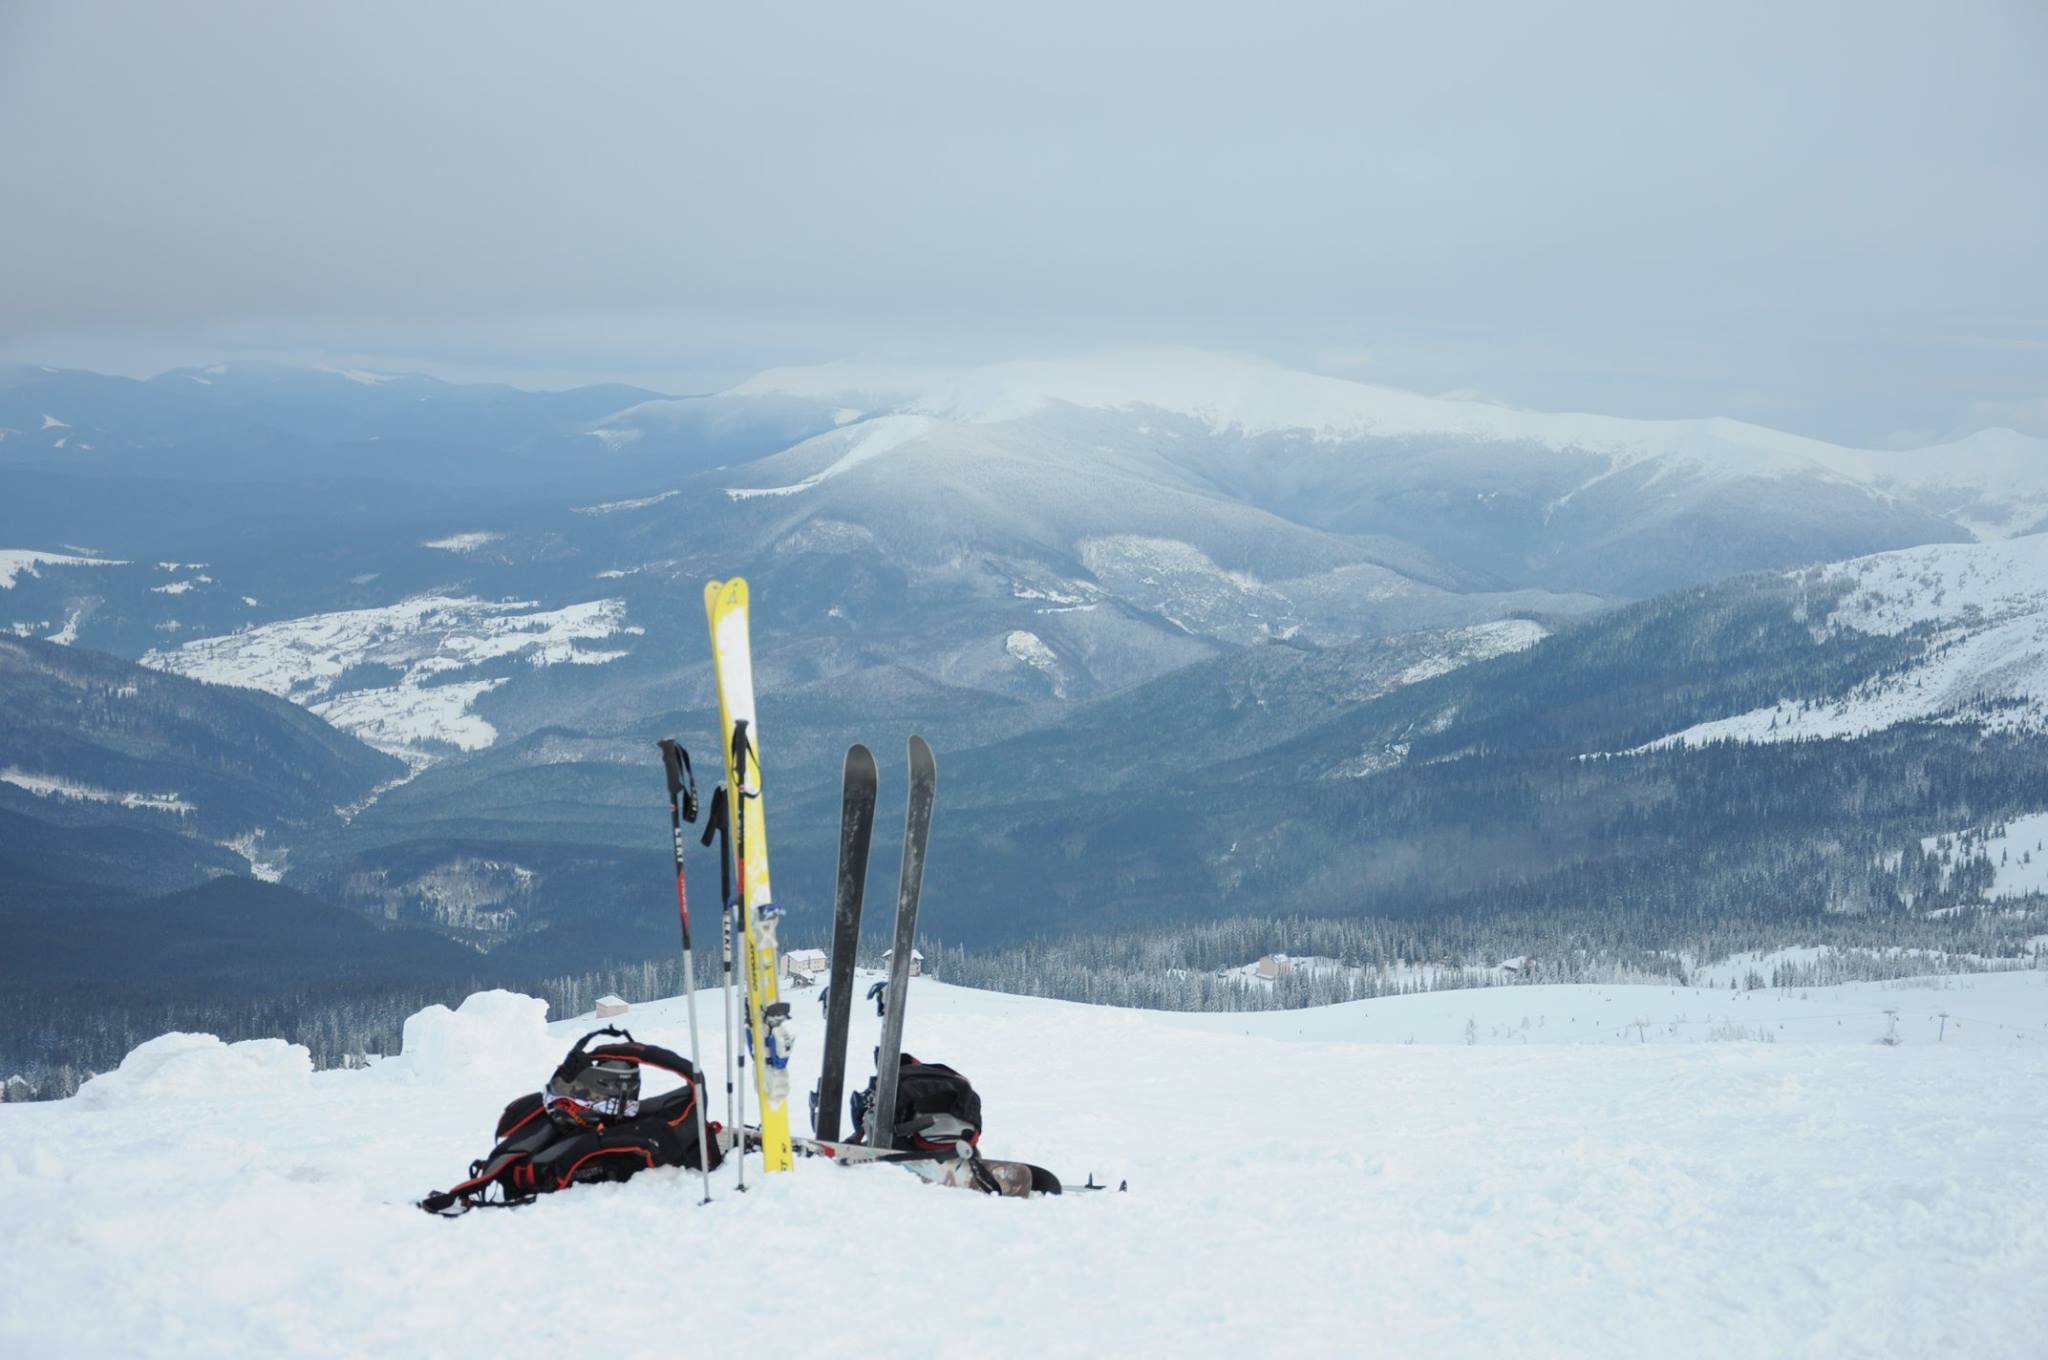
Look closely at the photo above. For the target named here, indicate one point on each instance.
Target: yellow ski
(725, 602)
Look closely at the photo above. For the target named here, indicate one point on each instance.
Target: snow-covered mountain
(1572, 1171)
(1975, 617)
(112, 773)
(1558, 500)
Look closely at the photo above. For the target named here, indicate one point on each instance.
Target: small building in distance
(1273, 967)
(802, 965)
(611, 1004)
(916, 961)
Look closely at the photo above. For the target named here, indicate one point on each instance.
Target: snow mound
(199, 1068)
(493, 1036)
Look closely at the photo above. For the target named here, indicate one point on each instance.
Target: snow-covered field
(424, 642)
(1515, 1171)
(18, 562)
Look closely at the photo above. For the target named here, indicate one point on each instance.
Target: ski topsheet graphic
(856, 827)
(917, 826)
(768, 1023)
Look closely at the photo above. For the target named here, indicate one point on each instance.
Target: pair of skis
(856, 827)
(752, 912)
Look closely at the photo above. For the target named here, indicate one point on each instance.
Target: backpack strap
(474, 1193)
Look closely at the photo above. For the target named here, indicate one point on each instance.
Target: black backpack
(546, 1145)
(937, 1109)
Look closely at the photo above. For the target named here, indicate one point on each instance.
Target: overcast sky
(1828, 216)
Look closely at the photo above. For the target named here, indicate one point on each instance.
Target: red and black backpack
(589, 1125)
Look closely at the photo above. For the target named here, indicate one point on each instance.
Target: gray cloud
(1679, 207)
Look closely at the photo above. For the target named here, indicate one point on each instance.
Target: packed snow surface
(1519, 1171)
(1983, 610)
(18, 562)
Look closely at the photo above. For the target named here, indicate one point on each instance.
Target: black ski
(856, 826)
(917, 826)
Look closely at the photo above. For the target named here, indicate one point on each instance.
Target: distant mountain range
(1191, 635)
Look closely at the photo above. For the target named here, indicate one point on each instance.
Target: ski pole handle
(682, 780)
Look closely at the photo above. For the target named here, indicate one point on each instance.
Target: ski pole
(719, 824)
(682, 806)
(736, 818)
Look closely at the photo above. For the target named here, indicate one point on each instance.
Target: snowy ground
(1565, 1184)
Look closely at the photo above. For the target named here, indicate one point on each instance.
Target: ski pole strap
(682, 780)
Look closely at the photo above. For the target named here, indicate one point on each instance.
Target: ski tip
(921, 753)
(859, 757)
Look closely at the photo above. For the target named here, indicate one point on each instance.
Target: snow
(426, 639)
(1984, 608)
(1184, 586)
(462, 543)
(1030, 649)
(2016, 853)
(404, 718)
(1252, 397)
(56, 786)
(1299, 1182)
(867, 441)
(611, 507)
(1480, 642)
(181, 1067)
(1993, 483)
(68, 634)
(265, 866)
(18, 562)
